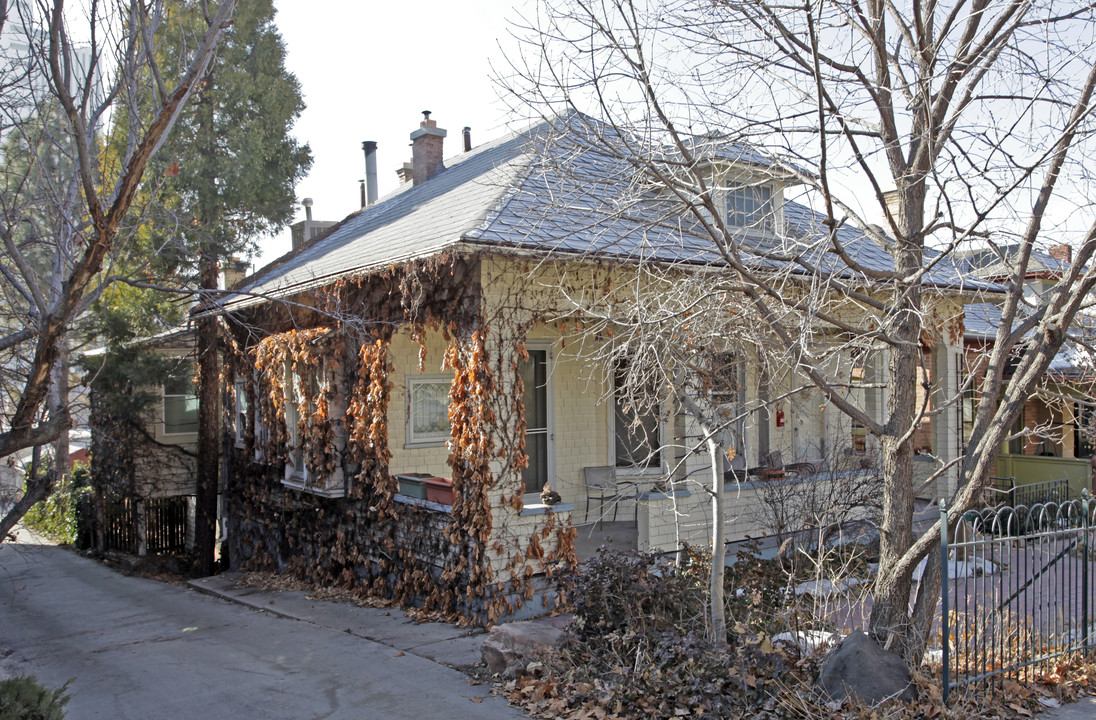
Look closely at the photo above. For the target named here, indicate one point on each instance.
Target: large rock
(511, 646)
(859, 668)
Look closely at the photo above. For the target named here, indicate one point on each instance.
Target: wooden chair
(603, 485)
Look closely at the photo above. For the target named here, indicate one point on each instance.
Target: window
(1084, 424)
(750, 206)
(864, 392)
(296, 469)
(262, 432)
(330, 481)
(637, 433)
(856, 391)
(240, 394)
(728, 389)
(428, 410)
(181, 401)
(534, 376)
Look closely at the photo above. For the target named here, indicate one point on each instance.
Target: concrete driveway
(140, 649)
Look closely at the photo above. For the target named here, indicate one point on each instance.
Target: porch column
(947, 424)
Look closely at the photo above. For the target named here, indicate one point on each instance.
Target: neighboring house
(146, 463)
(1054, 437)
(428, 333)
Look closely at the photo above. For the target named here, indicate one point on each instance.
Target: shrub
(633, 591)
(57, 515)
(24, 698)
(639, 640)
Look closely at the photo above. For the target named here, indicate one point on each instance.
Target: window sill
(301, 484)
(624, 473)
(663, 494)
(408, 500)
(417, 444)
(542, 509)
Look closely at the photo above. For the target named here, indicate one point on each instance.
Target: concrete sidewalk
(439, 642)
(1083, 709)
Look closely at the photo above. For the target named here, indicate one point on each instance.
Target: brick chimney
(1061, 252)
(426, 149)
(891, 198)
(234, 270)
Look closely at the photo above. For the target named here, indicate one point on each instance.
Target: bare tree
(63, 210)
(709, 119)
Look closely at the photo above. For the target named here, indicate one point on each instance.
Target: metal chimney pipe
(307, 202)
(467, 139)
(361, 188)
(370, 149)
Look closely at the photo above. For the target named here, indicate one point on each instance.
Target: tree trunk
(890, 622)
(209, 430)
(719, 548)
(59, 400)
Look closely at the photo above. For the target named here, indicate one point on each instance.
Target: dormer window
(750, 207)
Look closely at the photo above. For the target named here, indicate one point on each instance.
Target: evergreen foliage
(24, 698)
(225, 177)
(58, 515)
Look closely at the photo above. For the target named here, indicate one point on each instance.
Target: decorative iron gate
(1017, 590)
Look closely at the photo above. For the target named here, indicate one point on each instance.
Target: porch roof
(981, 321)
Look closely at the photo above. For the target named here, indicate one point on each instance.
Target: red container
(439, 490)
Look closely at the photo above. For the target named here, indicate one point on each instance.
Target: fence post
(1084, 566)
(944, 629)
(141, 517)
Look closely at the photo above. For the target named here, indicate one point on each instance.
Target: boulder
(511, 646)
(859, 668)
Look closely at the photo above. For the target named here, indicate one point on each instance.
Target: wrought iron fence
(1017, 590)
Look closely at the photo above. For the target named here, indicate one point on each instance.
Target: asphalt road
(141, 649)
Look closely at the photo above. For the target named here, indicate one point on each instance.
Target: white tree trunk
(719, 548)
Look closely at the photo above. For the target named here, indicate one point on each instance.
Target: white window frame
(733, 403)
(659, 470)
(430, 439)
(164, 395)
(296, 469)
(548, 346)
(240, 401)
(297, 474)
(761, 221)
(262, 430)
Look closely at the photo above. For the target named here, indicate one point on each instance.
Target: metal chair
(603, 485)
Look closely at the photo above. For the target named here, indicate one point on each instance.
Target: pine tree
(225, 178)
(237, 169)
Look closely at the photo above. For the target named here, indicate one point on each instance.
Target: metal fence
(1017, 590)
(1005, 491)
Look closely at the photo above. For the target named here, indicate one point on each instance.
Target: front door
(538, 432)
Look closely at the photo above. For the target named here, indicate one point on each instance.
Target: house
(143, 463)
(144, 442)
(1053, 439)
(402, 387)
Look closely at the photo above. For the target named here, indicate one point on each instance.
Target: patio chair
(603, 485)
(776, 460)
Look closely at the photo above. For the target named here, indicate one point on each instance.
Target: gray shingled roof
(988, 262)
(535, 190)
(981, 321)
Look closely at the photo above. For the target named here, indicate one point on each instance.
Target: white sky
(368, 69)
